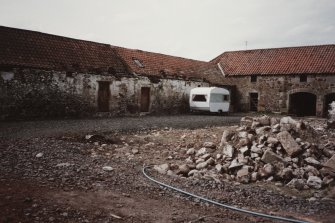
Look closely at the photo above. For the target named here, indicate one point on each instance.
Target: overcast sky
(197, 29)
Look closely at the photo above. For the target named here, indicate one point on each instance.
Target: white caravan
(212, 99)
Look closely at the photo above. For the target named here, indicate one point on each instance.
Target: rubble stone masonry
(32, 93)
(274, 90)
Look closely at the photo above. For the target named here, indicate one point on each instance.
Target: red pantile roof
(291, 60)
(160, 65)
(32, 49)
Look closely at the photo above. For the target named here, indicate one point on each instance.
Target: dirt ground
(58, 175)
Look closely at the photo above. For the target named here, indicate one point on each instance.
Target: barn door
(145, 99)
(103, 96)
(253, 101)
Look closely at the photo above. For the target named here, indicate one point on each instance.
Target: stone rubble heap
(262, 149)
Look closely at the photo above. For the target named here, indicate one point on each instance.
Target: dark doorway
(103, 96)
(302, 104)
(253, 101)
(329, 98)
(145, 99)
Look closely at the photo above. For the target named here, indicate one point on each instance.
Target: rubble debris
(39, 155)
(163, 168)
(271, 157)
(314, 182)
(289, 144)
(107, 168)
(262, 149)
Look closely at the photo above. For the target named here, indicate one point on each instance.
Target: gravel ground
(28, 129)
(49, 172)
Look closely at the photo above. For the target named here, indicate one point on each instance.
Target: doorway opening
(253, 101)
(302, 104)
(103, 96)
(145, 99)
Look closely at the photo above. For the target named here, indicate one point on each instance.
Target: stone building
(44, 75)
(294, 80)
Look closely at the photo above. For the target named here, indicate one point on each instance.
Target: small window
(69, 74)
(225, 97)
(199, 97)
(253, 78)
(303, 78)
(138, 62)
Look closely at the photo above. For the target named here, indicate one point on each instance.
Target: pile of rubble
(262, 149)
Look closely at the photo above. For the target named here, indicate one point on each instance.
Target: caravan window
(199, 97)
(226, 97)
(218, 98)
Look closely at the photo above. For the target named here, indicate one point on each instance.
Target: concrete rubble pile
(262, 149)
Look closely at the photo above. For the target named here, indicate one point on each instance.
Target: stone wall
(31, 93)
(274, 91)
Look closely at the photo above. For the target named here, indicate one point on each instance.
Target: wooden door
(103, 96)
(253, 101)
(145, 99)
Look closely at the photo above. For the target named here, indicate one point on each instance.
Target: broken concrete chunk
(286, 174)
(200, 160)
(243, 134)
(264, 120)
(226, 136)
(267, 170)
(289, 144)
(256, 149)
(162, 169)
(331, 163)
(107, 168)
(244, 149)
(254, 176)
(314, 182)
(194, 173)
(190, 151)
(272, 140)
(246, 121)
(210, 161)
(235, 164)
(183, 169)
(312, 161)
(39, 155)
(64, 164)
(202, 151)
(271, 157)
(263, 130)
(201, 166)
(228, 150)
(297, 184)
(219, 168)
(243, 142)
(274, 121)
(243, 175)
(189, 160)
(210, 145)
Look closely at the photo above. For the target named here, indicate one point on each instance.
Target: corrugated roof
(160, 65)
(25, 48)
(291, 60)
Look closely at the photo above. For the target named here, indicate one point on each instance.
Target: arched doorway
(302, 104)
(329, 98)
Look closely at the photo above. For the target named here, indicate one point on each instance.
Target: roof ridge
(144, 51)
(277, 48)
(55, 35)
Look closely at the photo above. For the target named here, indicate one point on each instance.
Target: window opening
(253, 78)
(138, 62)
(199, 97)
